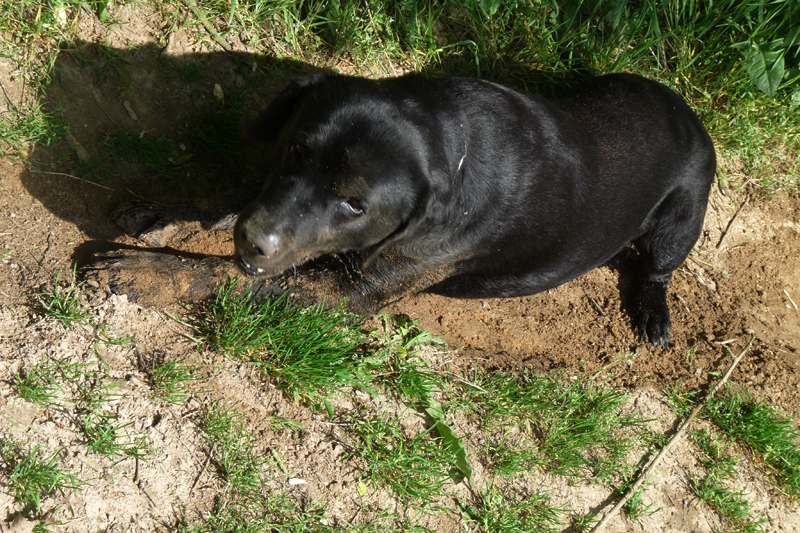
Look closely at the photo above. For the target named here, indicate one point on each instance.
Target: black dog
(469, 189)
(461, 187)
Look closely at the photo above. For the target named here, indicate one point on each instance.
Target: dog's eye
(296, 149)
(354, 206)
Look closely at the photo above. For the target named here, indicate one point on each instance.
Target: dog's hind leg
(670, 234)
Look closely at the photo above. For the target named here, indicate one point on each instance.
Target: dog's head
(350, 166)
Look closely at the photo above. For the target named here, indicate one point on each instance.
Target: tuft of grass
(33, 125)
(415, 467)
(498, 513)
(732, 505)
(30, 478)
(218, 131)
(763, 428)
(64, 303)
(38, 385)
(635, 507)
(157, 154)
(714, 457)
(233, 447)
(310, 351)
(509, 460)
(105, 438)
(169, 380)
(757, 424)
(577, 428)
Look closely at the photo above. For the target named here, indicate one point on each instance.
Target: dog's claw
(651, 317)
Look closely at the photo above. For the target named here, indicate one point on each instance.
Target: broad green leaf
(490, 6)
(455, 446)
(101, 8)
(450, 441)
(764, 62)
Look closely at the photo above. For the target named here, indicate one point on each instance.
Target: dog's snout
(265, 245)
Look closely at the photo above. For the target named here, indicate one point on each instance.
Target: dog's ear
(268, 125)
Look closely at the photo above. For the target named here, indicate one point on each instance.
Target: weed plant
(156, 154)
(395, 363)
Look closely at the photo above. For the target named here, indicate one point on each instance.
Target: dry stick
(8, 98)
(649, 470)
(595, 304)
(70, 176)
(209, 27)
(730, 224)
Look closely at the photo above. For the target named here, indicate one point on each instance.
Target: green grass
(64, 303)
(30, 478)
(233, 447)
(635, 507)
(731, 504)
(576, 429)
(763, 428)
(32, 125)
(105, 437)
(170, 378)
(38, 384)
(396, 364)
(498, 513)
(156, 154)
(413, 466)
(757, 424)
(309, 351)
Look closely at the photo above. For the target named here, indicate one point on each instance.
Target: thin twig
(790, 299)
(202, 471)
(685, 424)
(730, 224)
(144, 488)
(595, 304)
(70, 176)
(8, 98)
(208, 26)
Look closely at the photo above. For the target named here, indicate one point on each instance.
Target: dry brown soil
(748, 285)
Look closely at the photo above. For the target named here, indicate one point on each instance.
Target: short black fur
(473, 190)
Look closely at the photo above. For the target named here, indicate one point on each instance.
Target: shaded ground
(48, 219)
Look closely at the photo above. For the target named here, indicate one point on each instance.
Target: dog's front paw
(151, 223)
(159, 279)
(651, 314)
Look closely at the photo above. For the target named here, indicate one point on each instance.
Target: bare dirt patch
(49, 219)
